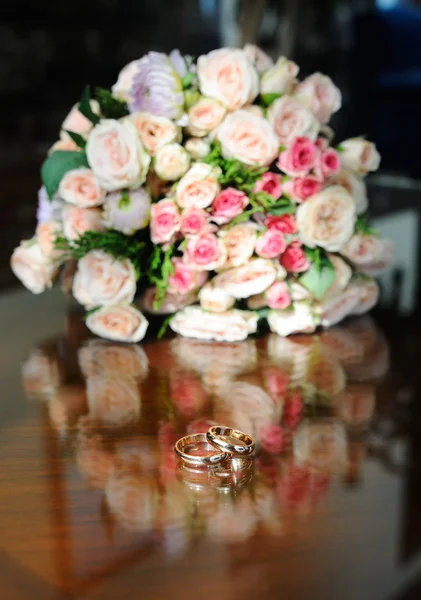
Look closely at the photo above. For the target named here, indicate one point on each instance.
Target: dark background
(50, 50)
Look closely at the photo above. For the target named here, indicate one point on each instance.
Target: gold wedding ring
(218, 436)
(184, 446)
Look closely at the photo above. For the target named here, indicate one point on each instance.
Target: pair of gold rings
(221, 446)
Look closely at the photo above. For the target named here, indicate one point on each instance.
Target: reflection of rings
(184, 446)
(218, 434)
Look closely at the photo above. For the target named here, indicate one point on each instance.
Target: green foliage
(57, 165)
(320, 275)
(111, 108)
(363, 227)
(78, 139)
(160, 269)
(164, 327)
(245, 216)
(283, 206)
(268, 99)
(233, 172)
(119, 245)
(340, 148)
(187, 80)
(85, 107)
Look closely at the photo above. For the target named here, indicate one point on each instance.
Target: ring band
(217, 435)
(182, 446)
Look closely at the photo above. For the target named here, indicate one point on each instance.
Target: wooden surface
(92, 504)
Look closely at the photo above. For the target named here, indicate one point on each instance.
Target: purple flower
(157, 87)
(48, 210)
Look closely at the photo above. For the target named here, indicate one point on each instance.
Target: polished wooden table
(93, 504)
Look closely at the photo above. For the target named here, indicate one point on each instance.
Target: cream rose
(77, 221)
(171, 162)
(113, 400)
(327, 219)
(76, 122)
(204, 116)
(355, 186)
(248, 138)
(359, 156)
(116, 155)
(214, 299)
(321, 444)
(119, 323)
(299, 318)
(335, 309)
(155, 131)
(291, 119)
(98, 357)
(122, 87)
(101, 280)
(228, 76)
(47, 233)
(32, 267)
(280, 78)
(197, 148)
(230, 326)
(343, 274)
(369, 295)
(320, 95)
(172, 302)
(81, 188)
(364, 250)
(198, 187)
(240, 242)
(261, 61)
(248, 280)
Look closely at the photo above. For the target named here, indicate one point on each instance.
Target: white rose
(322, 444)
(121, 88)
(198, 187)
(248, 280)
(248, 138)
(228, 76)
(320, 95)
(197, 148)
(127, 212)
(230, 326)
(359, 156)
(119, 323)
(41, 375)
(327, 219)
(368, 253)
(355, 186)
(261, 61)
(81, 188)
(76, 122)
(77, 221)
(343, 274)
(291, 119)
(32, 267)
(169, 305)
(297, 319)
(47, 233)
(214, 299)
(100, 357)
(171, 162)
(280, 78)
(239, 241)
(101, 280)
(204, 116)
(116, 155)
(155, 131)
(335, 309)
(384, 261)
(113, 400)
(133, 502)
(299, 292)
(369, 295)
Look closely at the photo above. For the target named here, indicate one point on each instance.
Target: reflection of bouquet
(214, 190)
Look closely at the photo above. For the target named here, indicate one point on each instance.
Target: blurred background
(371, 48)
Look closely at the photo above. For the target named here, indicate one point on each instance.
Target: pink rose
(206, 252)
(165, 221)
(228, 204)
(321, 95)
(270, 183)
(271, 244)
(272, 438)
(291, 119)
(322, 143)
(299, 158)
(294, 258)
(81, 188)
(330, 163)
(77, 221)
(285, 223)
(184, 278)
(293, 410)
(193, 221)
(276, 382)
(277, 296)
(302, 188)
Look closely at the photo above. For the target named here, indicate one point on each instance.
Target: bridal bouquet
(212, 192)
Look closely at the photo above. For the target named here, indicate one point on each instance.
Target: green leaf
(111, 108)
(268, 99)
(188, 80)
(160, 270)
(363, 227)
(284, 206)
(164, 327)
(57, 165)
(340, 148)
(78, 139)
(319, 277)
(262, 313)
(124, 202)
(85, 107)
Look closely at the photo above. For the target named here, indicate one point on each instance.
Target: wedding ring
(218, 436)
(184, 446)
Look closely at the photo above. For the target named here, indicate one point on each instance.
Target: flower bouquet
(210, 192)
